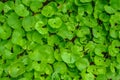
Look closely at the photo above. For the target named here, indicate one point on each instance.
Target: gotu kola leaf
(21, 10)
(5, 31)
(39, 26)
(55, 22)
(60, 67)
(68, 57)
(28, 23)
(42, 53)
(13, 21)
(35, 6)
(82, 64)
(16, 69)
(48, 11)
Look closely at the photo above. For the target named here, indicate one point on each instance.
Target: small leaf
(39, 26)
(115, 4)
(82, 63)
(26, 2)
(101, 77)
(55, 22)
(109, 9)
(5, 31)
(35, 6)
(28, 23)
(21, 10)
(13, 21)
(104, 17)
(16, 69)
(1, 6)
(87, 76)
(42, 53)
(99, 60)
(64, 33)
(17, 35)
(60, 67)
(67, 57)
(48, 11)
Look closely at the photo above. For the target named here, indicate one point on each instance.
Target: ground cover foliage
(59, 39)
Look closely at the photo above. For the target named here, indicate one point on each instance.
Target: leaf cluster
(59, 39)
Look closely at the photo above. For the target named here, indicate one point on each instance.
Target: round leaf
(55, 22)
(21, 10)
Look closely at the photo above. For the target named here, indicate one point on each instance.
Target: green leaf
(34, 55)
(36, 37)
(118, 58)
(109, 9)
(28, 23)
(8, 54)
(5, 31)
(114, 48)
(67, 57)
(35, 6)
(48, 11)
(60, 67)
(84, 1)
(115, 19)
(1, 71)
(39, 26)
(59, 39)
(99, 49)
(53, 40)
(87, 76)
(104, 17)
(77, 49)
(7, 8)
(98, 32)
(78, 2)
(2, 18)
(88, 7)
(57, 55)
(26, 2)
(1, 6)
(90, 46)
(99, 60)
(82, 64)
(55, 76)
(115, 4)
(83, 31)
(42, 53)
(55, 22)
(113, 33)
(17, 35)
(16, 69)
(70, 26)
(101, 77)
(64, 33)
(21, 10)
(13, 21)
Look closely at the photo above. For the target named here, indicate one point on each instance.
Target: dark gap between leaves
(44, 40)
(73, 39)
(12, 50)
(92, 63)
(99, 22)
(44, 75)
(2, 12)
(55, 47)
(4, 1)
(22, 54)
(46, 2)
(50, 34)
